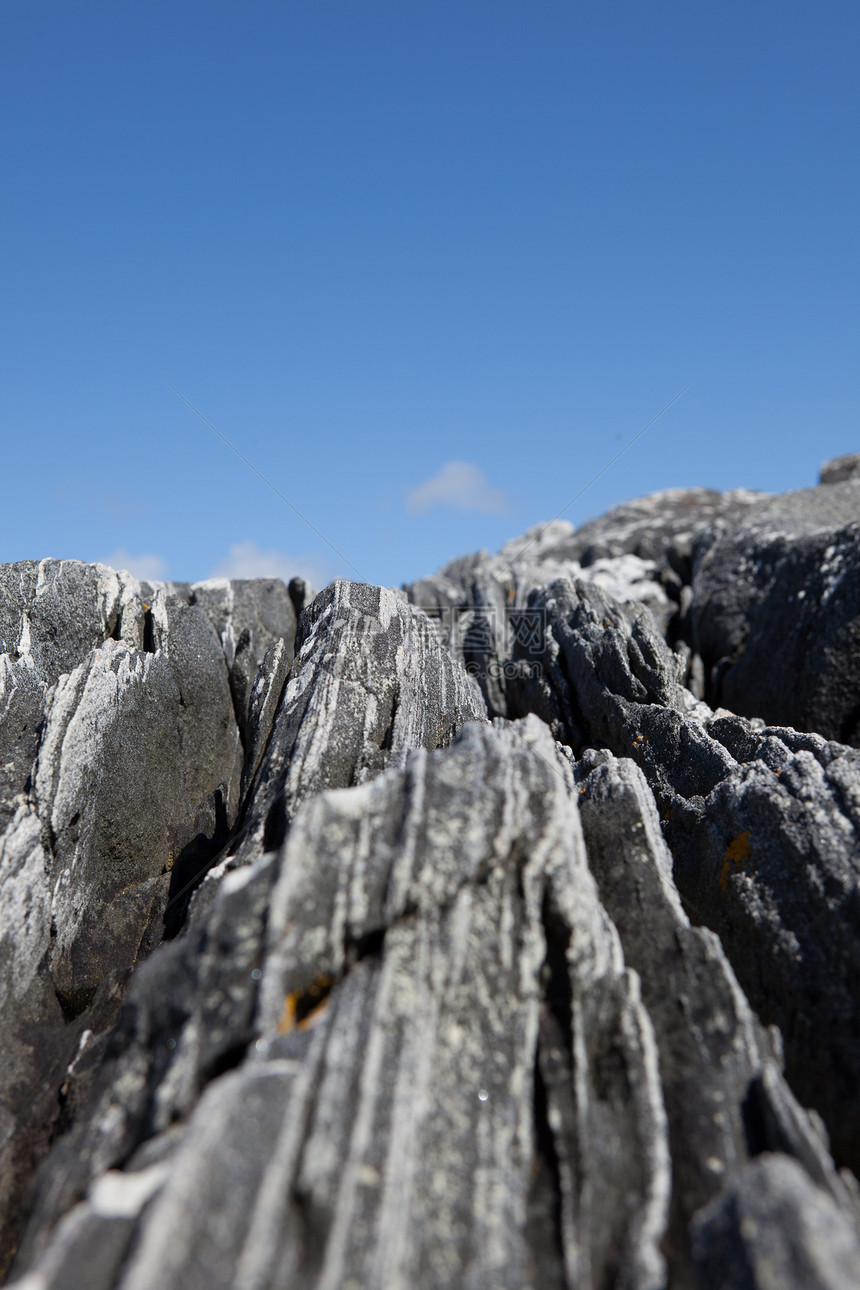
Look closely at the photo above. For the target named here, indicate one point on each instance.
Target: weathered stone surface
(662, 527)
(479, 603)
(439, 1015)
(445, 1075)
(775, 612)
(772, 861)
(763, 824)
(370, 683)
(759, 594)
(120, 759)
(840, 469)
(249, 616)
(774, 1228)
(725, 1099)
(603, 677)
(53, 612)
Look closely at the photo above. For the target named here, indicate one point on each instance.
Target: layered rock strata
(447, 938)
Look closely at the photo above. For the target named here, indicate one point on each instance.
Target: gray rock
(479, 603)
(775, 1228)
(763, 824)
(662, 527)
(840, 469)
(249, 616)
(121, 766)
(759, 594)
(772, 862)
(601, 675)
(370, 683)
(445, 1076)
(775, 611)
(438, 1014)
(53, 612)
(725, 1098)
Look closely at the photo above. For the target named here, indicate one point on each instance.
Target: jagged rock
(775, 611)
(443, 1037)
(440, 1015)
(479, 603)
(764, 826)
(662, 527)
(249, 616)
(601, 675)
(370, 682)
(724, 1096)
(776, 1228)
(840, 469)
(772, 861)
(406, 1049)
(121, 767)
(53, 612)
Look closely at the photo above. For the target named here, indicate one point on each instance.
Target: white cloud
(459, 486)
(147, 567)
(247, 560)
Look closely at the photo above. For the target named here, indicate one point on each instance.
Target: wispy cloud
(248, 560)
(148, 567)
(459, 486)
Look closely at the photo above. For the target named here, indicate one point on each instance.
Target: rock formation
(499, 932)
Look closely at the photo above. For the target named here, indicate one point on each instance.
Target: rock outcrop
(121, 770)
(446, 938)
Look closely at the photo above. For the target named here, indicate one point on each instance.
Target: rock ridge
(499, 932)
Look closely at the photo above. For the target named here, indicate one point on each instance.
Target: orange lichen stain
(607, 623)
(146, 606)
(303, 1007)
(736, 853)
(640, 740)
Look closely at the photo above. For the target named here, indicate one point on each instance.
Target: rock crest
(502, 932)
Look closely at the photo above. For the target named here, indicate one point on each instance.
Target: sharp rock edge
(499, 932)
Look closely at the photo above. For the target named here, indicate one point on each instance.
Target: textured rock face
(776, 611)
(370, 682)
(121, 766)
(775, 1229)
(446, 939)
(759, 595)
(841, 468)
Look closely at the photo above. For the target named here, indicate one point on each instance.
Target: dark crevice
(755, 1119)
(116, 634)
(543, 1214)
(304, 1003)
(74, 1002)
(388, 738)
(148, 631)
(275, 828)
(369, 945)
(849, 731)
(576, 726)
(191, 866)
(557, 988)
(314, 1227)
(298, 590)
(228, 1060)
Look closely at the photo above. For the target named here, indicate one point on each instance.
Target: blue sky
(429, 266)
